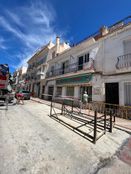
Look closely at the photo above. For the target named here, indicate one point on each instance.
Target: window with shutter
(70, 91)
(86, 57)
(127, 93)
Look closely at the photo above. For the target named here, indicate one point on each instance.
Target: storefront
(75, 85)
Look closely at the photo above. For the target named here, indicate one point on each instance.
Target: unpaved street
(33, 143)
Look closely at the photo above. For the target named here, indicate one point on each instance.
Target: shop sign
(84, 78)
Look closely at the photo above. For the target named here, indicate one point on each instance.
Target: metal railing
(119, 111)
(60, 71)
(91, 127)
(124, 61)
(70, 68)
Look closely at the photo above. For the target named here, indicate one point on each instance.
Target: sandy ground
(33, 143)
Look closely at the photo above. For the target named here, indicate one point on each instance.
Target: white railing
(124, 61)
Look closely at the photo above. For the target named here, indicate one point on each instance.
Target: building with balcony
(72, 70)
(19, 78)
(38, 66)
(100, 65)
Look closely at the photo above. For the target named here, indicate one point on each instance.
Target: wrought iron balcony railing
(124, 61)
(71, 68)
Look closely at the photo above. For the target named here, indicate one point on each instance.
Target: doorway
(112, 93)
(38, 89)
(63, 68)
(50, 92)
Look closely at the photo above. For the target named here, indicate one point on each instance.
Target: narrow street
(33, 143)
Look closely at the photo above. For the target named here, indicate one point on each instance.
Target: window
(43, 89)
(52, 69)
(40, 62)
(53, 54)
(65, 66)
(87, 57)
(80, 63)
(70, 91)
(59, 91)
(82, 59)
(127, 47)
(127, 93)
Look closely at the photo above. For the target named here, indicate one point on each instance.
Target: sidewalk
(120, 123)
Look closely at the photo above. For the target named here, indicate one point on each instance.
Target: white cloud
(32, 26)
(14, 18)
(23, 57)
(5, 24)
(2, 43)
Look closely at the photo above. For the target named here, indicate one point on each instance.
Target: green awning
(77, 79)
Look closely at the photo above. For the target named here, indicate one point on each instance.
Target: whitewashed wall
(113, 47)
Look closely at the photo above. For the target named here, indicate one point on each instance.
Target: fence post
(105, 121)
(62, 107)
(114, 118)
(6, 101)
(72, 106)
(95, 127)
(80, 106)
(110, 121)
(51, 108)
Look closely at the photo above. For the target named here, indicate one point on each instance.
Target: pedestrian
(20, 98)
(85, 99)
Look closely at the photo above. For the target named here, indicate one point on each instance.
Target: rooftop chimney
(57, 40)
(104, 30)
(50, 44)
(57, 44)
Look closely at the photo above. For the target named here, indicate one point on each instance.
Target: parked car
(26, 94)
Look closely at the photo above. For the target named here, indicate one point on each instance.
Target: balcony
(71, 68)
(40, 73)
(123, 62)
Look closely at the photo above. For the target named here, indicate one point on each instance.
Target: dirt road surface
(33, 143)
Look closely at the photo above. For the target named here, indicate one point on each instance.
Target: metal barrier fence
(91, 127)
(117, 110)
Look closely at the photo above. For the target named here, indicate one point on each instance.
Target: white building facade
(38, 66)
(19, 78)
(100, 65)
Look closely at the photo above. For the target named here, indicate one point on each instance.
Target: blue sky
(27, 25)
